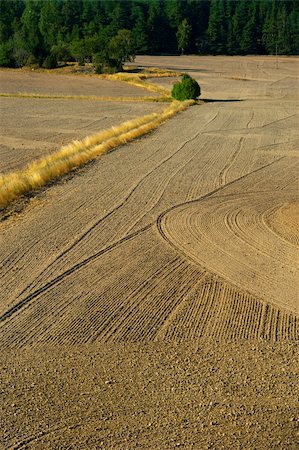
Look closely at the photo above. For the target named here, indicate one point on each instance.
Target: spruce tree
(183, 36)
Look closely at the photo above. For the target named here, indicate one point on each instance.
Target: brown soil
(32, 128)
(284, 220)
(13, 82)
(151, 300)
(157, 396)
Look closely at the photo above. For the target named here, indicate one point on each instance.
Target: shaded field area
(160, 284)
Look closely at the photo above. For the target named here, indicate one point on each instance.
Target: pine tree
(37, 28)
(154, 26)
(139, 30)
(251, 32)
(293, 28)
(49, 22)
(183, 35)
(216, 27)
(30, 20)
(270, 32)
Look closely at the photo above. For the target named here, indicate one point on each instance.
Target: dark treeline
(39, 31)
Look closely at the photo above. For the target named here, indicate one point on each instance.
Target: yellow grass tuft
(40, 172)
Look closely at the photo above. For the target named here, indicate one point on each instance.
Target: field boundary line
(85, 97)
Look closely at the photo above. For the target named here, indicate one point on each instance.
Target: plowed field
(34, 127)
(151, 301)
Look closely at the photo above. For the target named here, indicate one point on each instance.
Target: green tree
(154, 23)
(270, 32)
(139, 30)
(240, 20)
(187, 89)
(112, 56)
(61, 52)
(49, 23)
(216, 27)
(293, 28)
(121, 48)
(50, 62)
(78, 50)
(6, 58)
(10, 13)
(183, 35)
(251, 35)
(32, 37)
(283, 36)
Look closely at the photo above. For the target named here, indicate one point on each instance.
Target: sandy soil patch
(170, 244)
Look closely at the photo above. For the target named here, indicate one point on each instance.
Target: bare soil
(16, 81)
(151, 301)
(156, 396)
(34, 127)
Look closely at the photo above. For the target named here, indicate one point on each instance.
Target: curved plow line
(86, 97)
(39, 173)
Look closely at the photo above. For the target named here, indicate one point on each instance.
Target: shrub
(187, 89)
(20, 56)
(103, 63)
(50, 62)
(61, 52)
(32, 61)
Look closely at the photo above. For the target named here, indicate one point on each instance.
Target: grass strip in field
(77, 153)
(86, 97)
(139, 81)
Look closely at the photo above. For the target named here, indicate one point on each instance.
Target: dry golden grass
(138, 80)
(87, 97)
(238, 78)
(40, 172)
(133, 79)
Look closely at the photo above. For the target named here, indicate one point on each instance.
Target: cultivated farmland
(32, 127)
(151, 300)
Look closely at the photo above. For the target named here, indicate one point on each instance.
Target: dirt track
(186, 235)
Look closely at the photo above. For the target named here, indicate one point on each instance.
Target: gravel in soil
(154, 396)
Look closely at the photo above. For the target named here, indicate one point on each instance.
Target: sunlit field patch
(40, 172)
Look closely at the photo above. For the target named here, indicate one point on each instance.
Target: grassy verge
(40, 172)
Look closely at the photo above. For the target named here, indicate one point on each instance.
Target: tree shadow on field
(215, 100)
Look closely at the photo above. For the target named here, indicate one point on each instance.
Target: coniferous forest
(108, 32)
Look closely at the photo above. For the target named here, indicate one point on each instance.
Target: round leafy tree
(187, 89)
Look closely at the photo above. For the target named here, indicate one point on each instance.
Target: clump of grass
(40, 172)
